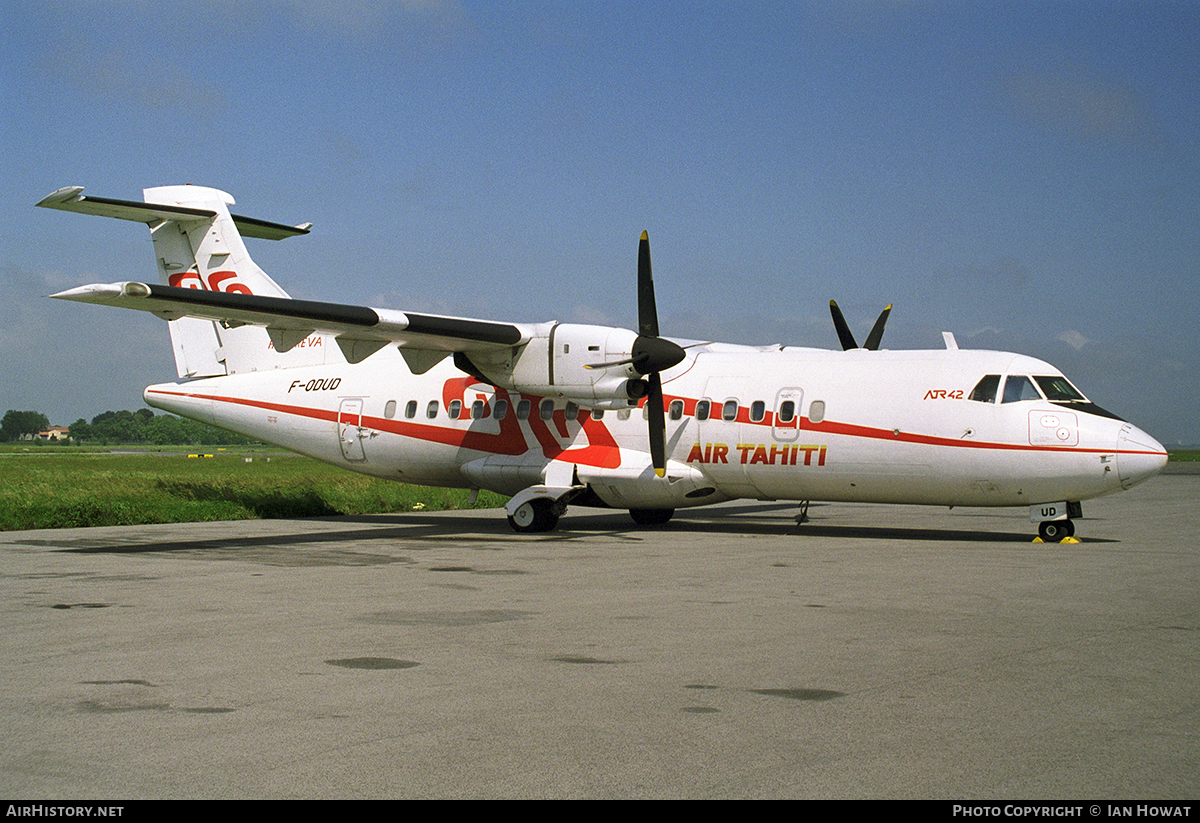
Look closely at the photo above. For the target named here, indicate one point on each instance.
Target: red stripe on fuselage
(602, 450)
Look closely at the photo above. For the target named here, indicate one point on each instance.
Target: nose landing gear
(1056, 531)
(1055, 524)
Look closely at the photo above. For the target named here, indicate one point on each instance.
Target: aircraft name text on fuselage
(773, 454)
(944, 394)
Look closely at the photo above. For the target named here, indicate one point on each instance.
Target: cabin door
(350, 430)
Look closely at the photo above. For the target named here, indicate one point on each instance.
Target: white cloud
(1073, 339)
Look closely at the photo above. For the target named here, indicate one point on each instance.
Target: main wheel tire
(651, 517)
(1052, 531)
(533, 516)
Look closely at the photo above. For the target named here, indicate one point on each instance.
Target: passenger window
(676, 409)
(758, 410)
(454, 409)
(477, 410)
(1018, 387)
(432, 409)
(703, 408)
(787, 411)
(985, 390)
(816, 411)
(410, 411)
(523, 408)
(623, 414)
(597, 414)
(729, 410)
(500, 411)
(389, 411)
(546, 409)
(572, 410)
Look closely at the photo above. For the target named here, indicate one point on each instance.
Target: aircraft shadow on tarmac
(416, 531)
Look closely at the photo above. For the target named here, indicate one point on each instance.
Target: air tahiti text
(774, 454)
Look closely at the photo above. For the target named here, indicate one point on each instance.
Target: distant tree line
(115, 427)
(16, 423)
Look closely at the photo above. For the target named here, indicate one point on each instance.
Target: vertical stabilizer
(206, 251)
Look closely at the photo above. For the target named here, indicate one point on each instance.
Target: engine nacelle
(552, 364)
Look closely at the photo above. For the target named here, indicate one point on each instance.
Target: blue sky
(1024, 174)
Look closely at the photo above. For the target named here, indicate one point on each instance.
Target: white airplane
(559, 414)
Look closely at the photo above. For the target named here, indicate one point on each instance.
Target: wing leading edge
(360, 331)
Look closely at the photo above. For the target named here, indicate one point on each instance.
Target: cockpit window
(1018, 387)
(1057, 388)
(985, 390)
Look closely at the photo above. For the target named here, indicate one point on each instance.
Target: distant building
(52, 433)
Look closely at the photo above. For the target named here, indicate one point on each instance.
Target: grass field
(47, 488)
(62, 487)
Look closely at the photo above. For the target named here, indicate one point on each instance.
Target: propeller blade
(877, 330)
(658, 425)
(647, 311)
(843, 331)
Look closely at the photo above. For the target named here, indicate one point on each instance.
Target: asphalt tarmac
(875, 651)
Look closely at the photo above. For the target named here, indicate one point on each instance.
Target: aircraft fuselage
(873, 426)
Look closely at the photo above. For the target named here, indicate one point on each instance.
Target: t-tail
(198, 245)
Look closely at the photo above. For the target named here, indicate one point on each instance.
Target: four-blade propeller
(651, 355)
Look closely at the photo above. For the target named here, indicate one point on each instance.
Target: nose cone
(1139, 456)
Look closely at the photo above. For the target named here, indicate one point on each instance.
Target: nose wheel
(1055, 531)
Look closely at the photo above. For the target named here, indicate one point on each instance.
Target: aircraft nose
(1139, 456)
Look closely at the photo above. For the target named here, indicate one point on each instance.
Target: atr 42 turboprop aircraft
(559, 414)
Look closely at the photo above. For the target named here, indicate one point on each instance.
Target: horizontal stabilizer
(71, 199)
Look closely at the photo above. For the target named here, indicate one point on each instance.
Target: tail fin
(198, 245)
(204, 251)
(207, 252)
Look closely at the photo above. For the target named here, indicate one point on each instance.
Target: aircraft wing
(360, 331)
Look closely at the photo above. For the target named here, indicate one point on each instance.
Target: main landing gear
(651, 517)
(541, 514)
(538, 515)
